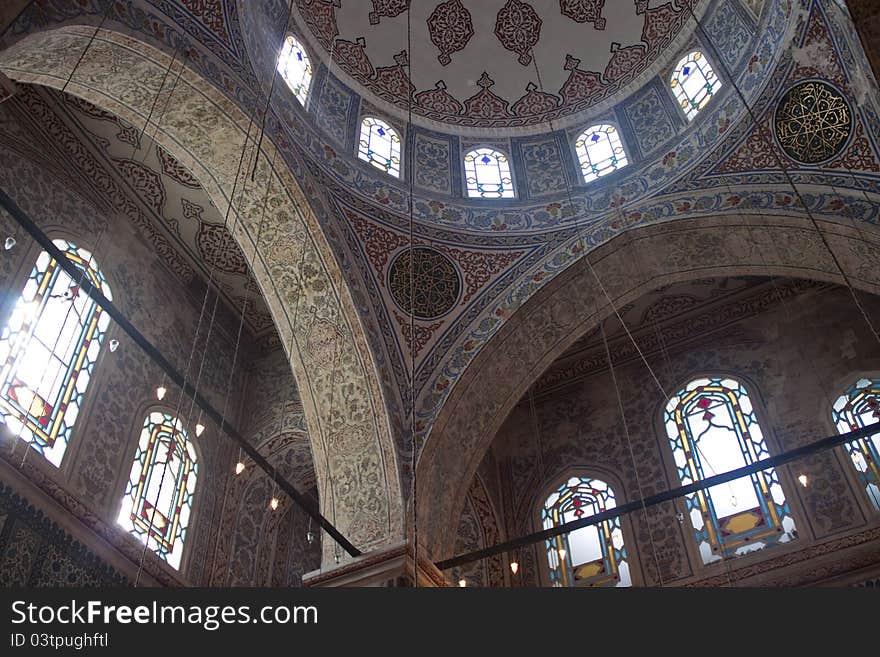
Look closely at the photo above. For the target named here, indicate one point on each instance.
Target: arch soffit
(573, 303)
(304, 288)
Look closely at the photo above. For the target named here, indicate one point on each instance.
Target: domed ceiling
(497, 63)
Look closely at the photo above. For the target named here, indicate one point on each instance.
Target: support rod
(306, 503)
(659, 498)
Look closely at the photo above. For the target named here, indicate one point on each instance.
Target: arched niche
(304, 288)
(573, 303)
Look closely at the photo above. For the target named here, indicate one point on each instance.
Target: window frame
(135, 427)
(550, 486)
(304, 103)
(670, 74)
(400, 135)
(17, 280)
(841, 452)
(463, 168)
(577, 159)
(786, 480)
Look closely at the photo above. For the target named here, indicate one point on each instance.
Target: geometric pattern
(48, 351)
(380, 146)
(587, 556)
(599, 151)
(296, 68)
(813, 122)
(694, 82)
(35, 552)
(425, 282)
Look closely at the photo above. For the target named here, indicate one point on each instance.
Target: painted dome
(490, 66)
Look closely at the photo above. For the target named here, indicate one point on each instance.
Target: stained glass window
(589, 556)
(48, 351)
(694, 83)
(712, 428)
(380, 146)
(296, 68)
(487, 173)
(858, 407)
(158, 497)
(600, 151)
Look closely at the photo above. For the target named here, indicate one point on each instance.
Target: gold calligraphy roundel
(425, 282)
(813, 122)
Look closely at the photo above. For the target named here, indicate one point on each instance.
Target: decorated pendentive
(424, 282)
(813, 122)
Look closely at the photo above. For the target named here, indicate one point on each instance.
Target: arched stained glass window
(296, 68)
(858, 407)
(589, 556)
(712, 428)
(487, 174)
(380, 146)
(600, 151)
(48, 350)
(159, 494)
(694, 82)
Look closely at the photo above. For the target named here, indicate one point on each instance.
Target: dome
(508, 66)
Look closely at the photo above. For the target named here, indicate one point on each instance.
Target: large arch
(316, 318)
(572, 304)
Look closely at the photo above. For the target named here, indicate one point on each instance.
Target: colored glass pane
(859, 407)
(487, 174)
(296, 68)
(712, 429)
(589, 556)
(600, 151)
(48, 350)
(158, 497)
(694, 83)
(380, 146)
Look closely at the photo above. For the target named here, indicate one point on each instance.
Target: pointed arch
(206, 133)
(712, 428)
(572, 304)
(589, 556)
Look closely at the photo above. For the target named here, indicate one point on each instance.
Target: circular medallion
(813, 122)
(435, 286)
